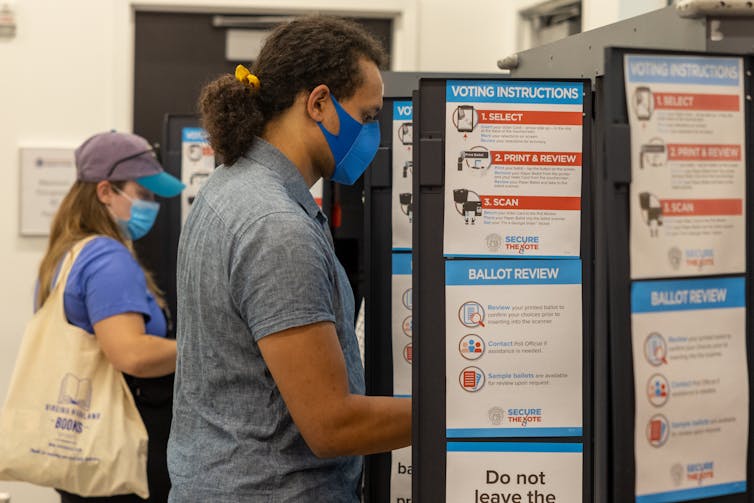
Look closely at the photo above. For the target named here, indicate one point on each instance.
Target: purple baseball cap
(122, 156)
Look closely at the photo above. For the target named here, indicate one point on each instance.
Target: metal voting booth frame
(599, 54)
(609, 469)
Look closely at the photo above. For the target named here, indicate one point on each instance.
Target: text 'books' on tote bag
(69, 420)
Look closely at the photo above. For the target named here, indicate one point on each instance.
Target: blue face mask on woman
(353, 147)
(143, 216)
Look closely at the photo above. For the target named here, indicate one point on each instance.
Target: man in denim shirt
(269, 403)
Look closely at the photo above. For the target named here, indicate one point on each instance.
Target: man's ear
(105, 192)
(317, 102)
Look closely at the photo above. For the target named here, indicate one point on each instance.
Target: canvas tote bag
(69, 420)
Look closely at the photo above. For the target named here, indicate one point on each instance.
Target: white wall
(596, 13)
(68, 74)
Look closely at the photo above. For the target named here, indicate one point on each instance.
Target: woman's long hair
(81, 214)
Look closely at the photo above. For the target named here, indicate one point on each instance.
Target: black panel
(615, 159)
(428, 378)
(429, 454)
(378, 238)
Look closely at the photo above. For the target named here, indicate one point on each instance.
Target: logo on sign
(408, 326)
(521, 244)
(406, 299)
(494, 242)
(655, 349)
(676, 474)
(700, 257)
(658, 390)
(471, 347)
(496, 415)
(658, 430)
(697, 472)
(408, 353)
(675, 256)
(471, 314)
(525, 417)
(471, 379)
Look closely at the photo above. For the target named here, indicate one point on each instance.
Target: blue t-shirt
(106, 280)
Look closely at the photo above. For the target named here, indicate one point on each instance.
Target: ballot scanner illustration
(468, 209)
(406, 200)
(196, 181)
(651, 210)
(408, 168)
(406, 133)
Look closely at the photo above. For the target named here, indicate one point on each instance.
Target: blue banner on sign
(683, 70)
(513, 432)
(687, 294)
(512, 272)
(514, 91)
(193, 134)
(401, 263)
(693, 494)
(513, 447)
(402, 110)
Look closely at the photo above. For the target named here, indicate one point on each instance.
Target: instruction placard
(402, 323)
(692, 393)
(513, 165)
(688, 165)
(500, 472)
(197, 164)
(47, 175)
(400, 476)
(403, 169)
(513, 348)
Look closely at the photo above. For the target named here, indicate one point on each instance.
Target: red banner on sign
(690, 152)
(530, 117)
(530, 203)
(536, 158)
(701, 207)
(687, 101)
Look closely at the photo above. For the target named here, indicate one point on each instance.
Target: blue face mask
(353, 147)
(143, 215)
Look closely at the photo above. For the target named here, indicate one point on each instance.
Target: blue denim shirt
(255, 258)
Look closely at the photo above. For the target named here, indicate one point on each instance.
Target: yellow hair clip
(244, 75)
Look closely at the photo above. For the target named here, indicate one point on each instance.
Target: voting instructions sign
(688, 165)
(692, 393)
(197, 164)
(402, 323)
(513, 348)
(504, 472)
(403, 170)
(513, 168)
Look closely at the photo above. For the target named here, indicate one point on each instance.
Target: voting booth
(581, 273)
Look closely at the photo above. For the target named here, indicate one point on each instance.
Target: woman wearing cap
(108, 293)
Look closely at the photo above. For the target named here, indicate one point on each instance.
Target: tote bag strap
(67, 264)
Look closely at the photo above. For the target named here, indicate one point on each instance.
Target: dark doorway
(175, 55)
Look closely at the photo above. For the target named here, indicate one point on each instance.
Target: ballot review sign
(502, 472)
(513, 168)
(691, 388)
(513, 348)
(402, 350)
(688, 165)
(403, 170)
